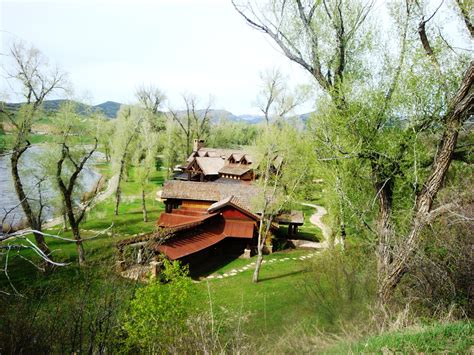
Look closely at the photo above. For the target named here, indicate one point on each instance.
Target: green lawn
(270, 305)
(451, 338)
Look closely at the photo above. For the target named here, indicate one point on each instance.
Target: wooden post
(155, 267)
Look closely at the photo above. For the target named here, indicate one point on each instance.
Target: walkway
(315, 219)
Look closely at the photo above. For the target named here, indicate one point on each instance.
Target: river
(30, 170)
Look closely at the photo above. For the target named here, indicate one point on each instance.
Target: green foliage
(228, 134)
(157, 316)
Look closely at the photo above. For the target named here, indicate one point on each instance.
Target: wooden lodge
(210, 164)
(209, 211)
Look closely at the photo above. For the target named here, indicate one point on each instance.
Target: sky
(109, 48)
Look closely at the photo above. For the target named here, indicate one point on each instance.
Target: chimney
(198, 144)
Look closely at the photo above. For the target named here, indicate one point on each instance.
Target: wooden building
(210, 164)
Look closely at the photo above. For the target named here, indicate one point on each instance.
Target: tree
(157, 319)
(151, 99)
(194, 122)
(285, 167)
(275, 99)
(145, 159)
(31, 71)
(69, 166)
(358, 129)
(129, 120)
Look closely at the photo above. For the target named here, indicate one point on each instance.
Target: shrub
(157, 317)
(341, 286)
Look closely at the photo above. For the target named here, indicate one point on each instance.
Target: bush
(157, 317)
(342, 286)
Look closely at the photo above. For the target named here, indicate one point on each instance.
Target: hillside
(108, 108)
(111, 108)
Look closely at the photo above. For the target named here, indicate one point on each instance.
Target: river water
(30, 171)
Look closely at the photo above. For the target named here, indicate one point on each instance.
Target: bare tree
(193, 122)
(30, 70)
(74, 215)
(150, 97)
(276, 100)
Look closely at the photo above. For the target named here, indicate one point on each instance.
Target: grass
(269, 305)
(451, 338)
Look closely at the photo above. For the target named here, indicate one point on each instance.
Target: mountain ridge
(111, 108)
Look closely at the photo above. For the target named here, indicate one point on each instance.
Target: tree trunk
(79, 246)
(384, 193)
(260, 243)
(118, 192)
(32, 220)
(256, 273)
(145, 213)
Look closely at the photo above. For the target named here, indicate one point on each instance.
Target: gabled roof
(234, 202)
(191, 241)
(210, 166)
(237, 170)
(210, 191)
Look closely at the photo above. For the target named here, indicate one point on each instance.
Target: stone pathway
(251, 266)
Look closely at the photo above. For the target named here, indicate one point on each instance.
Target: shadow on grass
(263, 279)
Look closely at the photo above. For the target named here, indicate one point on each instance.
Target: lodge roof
(210, 166)
(210, 191)
(237, 170)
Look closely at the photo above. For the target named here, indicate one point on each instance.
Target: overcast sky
(110, 47)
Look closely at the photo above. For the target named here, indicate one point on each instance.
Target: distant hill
(111, 108)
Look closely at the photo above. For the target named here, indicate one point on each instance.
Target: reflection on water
(31, 171)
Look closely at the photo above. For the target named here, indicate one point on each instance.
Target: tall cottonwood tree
(31, 72)
(145, 160)
(284, 169)
(360, 119)
(129, 120)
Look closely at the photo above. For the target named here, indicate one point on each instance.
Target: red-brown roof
(178, 248)
(201, 238)
(172, 220)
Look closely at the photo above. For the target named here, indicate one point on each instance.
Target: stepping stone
(233, 274)
(225, 275)
(252, 264)
(210, 277)
(295, 258)
(271, 261)
(220, 276)
(233, 271)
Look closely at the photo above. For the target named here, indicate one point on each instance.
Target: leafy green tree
(284, 168)
(373, 122)
(157, 317)
(145, 160)
(129, 120)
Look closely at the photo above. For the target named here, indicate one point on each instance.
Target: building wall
(196, 204)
